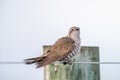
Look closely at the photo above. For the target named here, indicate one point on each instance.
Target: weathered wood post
(76, 71)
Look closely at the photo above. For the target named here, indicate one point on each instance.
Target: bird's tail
(38, 61)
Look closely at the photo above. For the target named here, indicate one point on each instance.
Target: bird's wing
(56, 52)
(59, 50)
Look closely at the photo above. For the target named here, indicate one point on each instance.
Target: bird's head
(74, 33)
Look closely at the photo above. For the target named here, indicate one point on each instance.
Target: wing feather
(58, 51)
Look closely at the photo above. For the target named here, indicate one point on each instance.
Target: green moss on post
(75, 71)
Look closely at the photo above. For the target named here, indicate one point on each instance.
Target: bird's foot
(67, 62)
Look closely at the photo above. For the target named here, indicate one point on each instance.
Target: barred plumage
(77, 46)
(72, 54)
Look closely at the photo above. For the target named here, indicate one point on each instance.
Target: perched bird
(63, 49)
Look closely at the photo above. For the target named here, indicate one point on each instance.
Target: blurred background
(27, 25)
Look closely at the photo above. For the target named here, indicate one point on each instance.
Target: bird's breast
(74, 52)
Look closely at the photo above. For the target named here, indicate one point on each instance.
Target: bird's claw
(67, 62)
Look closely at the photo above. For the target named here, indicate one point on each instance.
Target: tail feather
(30, 60)
(27, 61)
(38, 61)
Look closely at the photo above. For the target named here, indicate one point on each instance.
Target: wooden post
(76, 71)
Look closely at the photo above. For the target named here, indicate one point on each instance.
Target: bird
(62, 50)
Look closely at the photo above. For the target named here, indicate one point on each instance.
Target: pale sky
(27, 25)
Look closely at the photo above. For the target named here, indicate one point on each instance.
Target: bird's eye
(71, 30)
